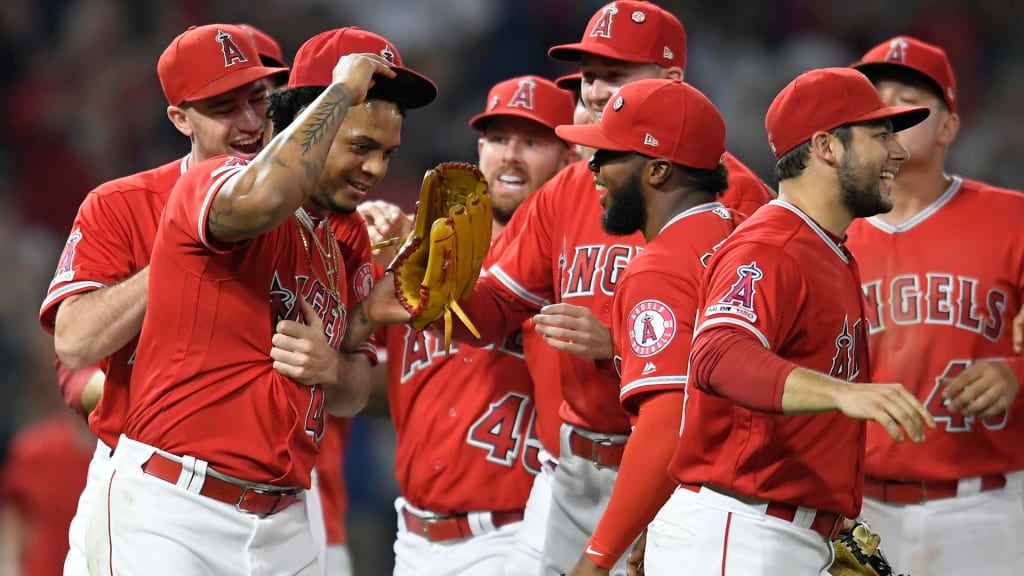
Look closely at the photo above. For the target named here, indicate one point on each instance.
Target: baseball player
(95, 303)
(363, 161)
(772, 446)
(218, 446)
(939, 307)
(467, 455)
(45, 470)
(563, 264)
(669, 194)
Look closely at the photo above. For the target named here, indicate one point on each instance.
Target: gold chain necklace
(329, 258)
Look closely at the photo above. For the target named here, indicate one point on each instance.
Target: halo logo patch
(651, 327)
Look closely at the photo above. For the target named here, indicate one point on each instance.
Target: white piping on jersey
(203, 214)
(814, 226)
(68, 288)
(691, 211)
(656, 381)
(516, 289)
(184, 162)
(732, 322)
(923, 215)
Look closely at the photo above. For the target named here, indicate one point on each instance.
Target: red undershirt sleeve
(72, 382)
(643, 484)
(732, 363)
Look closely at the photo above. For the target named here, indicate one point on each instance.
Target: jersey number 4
(315, 413)
(500, 432)
(956, 421)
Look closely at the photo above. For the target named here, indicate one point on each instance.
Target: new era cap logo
(617, 105)
(650, 140)
(603, 26)
(667, 53)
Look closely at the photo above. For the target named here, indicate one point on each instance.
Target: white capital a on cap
(603, 26)
(523, 98)
(897, 50)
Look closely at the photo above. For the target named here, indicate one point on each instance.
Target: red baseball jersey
(787, 282)
(942, 290)
(329, 468)
(563, 255)
(464, 421)
(45, 472)
(204, 383)
(111, 239)
(655, 302)
(354, 245)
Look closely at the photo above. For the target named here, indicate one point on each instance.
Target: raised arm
(278, 181)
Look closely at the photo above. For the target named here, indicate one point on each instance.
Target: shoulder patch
(362, 281)
(66, 266)
(739, 300)
(652, 326)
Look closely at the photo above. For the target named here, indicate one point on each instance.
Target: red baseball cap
(660, 118)
(315, 61)
(530, 97)
(570, 82)
(825, 99)
(268, 48)
(205, 61)
(631, 31)
(922, 58)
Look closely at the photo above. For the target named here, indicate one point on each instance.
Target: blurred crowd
(81, 104)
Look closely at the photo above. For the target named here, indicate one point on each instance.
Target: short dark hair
(285, 103)
(713, 181)
(792, 163)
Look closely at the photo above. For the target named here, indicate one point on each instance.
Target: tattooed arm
(270, 188)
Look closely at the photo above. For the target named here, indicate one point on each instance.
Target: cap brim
(575, 52)
(226, 84)
(873, 69)
(479, 122)
(590, 136)
(411, 89)
(902, 117)
(570, 82)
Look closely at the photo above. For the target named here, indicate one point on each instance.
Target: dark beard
(327, 206)
(860, 194)
(625, 213)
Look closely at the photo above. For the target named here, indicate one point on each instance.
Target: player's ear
(825, 147)
(658, 172)
(180, 119)
(949, 129)
(569, 155)
(673, 73)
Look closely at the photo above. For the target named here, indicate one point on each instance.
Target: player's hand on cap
(635, 560)
(575, 329)
(301, 352)
(891, 405)
(385, 222)
(357, 70)
(984, 389)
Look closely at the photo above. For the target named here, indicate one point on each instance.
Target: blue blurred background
(81, 104)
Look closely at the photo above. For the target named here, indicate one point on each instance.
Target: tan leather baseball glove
(440, 261)
(857, 554)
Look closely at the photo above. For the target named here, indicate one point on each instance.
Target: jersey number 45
(501, 432)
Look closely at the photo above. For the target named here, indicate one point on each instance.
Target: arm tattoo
(325, 117)
(219, 219)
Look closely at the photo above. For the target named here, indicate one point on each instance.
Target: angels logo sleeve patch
(651, 325)
(739, 300)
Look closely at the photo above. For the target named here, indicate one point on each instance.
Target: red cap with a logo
(659, 118)
(210, 60)
(922, 58)
(638, 32)
(268, 48)
(315, 61)
(829, 98)
(530, 97)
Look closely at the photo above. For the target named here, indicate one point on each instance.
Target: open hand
(891, 405)
(985, 389)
